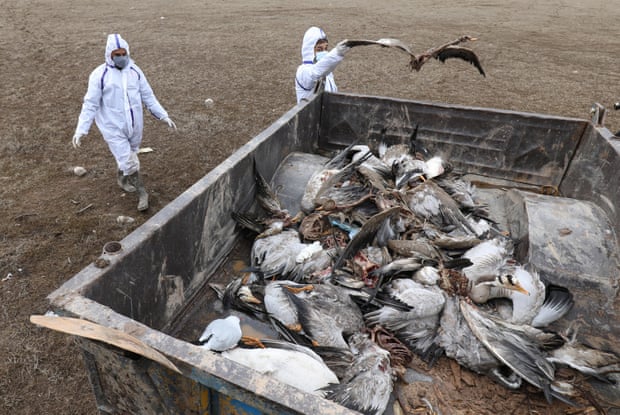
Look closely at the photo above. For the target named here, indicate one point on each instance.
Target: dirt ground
(555, 57)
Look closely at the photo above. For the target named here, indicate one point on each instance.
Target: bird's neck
(481, 293)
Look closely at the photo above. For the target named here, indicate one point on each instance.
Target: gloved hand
(171, 123)
(76, 140)
(342, 48)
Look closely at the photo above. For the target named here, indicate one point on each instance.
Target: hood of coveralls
(115, 41)
(312, 35)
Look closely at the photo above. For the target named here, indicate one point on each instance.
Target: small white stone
(79, 171)
(209, 102)
(123, 220)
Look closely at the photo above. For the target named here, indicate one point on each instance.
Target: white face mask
(319, 55)
(120, 61)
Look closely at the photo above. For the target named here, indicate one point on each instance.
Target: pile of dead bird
(392, 255)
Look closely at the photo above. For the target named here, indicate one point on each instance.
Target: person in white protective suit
(116, 92)
(317, 64)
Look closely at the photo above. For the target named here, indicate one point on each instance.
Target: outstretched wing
(460, 52)
(365, 235)
(521, 348)
(385, 42)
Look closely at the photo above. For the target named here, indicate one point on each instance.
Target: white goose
(289, 363)
(494, 274)
(292, 364)
(542, 305)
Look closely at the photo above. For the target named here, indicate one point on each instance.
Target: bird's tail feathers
(558, 302)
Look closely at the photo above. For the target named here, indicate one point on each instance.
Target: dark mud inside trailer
(550, 181)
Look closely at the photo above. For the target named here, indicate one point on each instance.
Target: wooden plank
(94, 331)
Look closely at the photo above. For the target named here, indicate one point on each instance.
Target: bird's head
(509, 282)
(467, 38)
(236, 291)
(245, 294)
(502, 286)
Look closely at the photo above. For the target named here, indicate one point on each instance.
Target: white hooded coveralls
(114, 101)
(309, 73)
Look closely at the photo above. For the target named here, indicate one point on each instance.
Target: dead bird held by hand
(443, 52)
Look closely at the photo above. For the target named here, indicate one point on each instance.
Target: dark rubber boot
(123, 182)
(143, 196)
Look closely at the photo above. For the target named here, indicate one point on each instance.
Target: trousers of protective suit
(125, 152)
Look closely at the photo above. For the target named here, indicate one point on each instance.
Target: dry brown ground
(555, 57)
